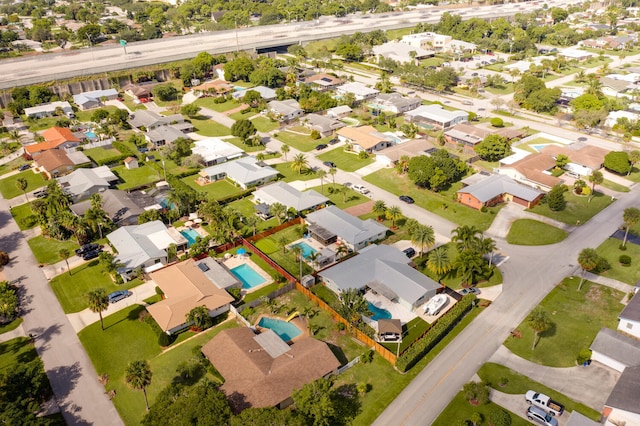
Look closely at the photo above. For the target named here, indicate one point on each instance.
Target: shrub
(164, 340)
(497, 122)
(478, 392)
(622, 247)
(503, 381)
(159, 291)
(235, 292)
(315, 135)
(4, 258)
(602, 266)
(583, 356)
(499, 417)
(363, 155)
(625, 260)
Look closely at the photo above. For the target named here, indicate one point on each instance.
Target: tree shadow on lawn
(550, 332)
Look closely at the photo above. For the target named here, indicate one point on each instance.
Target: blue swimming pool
(190, 235)
(90, 135)
(307, 250)
(285, 330)
(247, 276)
(378, 313)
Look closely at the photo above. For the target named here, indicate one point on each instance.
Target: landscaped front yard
(8, 187)
(342, 200)
(24, 216)
(460, 410)
(528, 232)
(347, 161)
(289, 175)
(609, 249)
(207, 127)
(578, 210)
(300, 142)
(46, 250)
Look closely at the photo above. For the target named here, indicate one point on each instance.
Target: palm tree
(403, 164)
(539, 322)
(282, 240)
(21, 184)
(332, 173)
(260, 157)
(109, 264)
(438, 262)
(199, 317)
(138, 376)
(285, 149)
(299, 163)
(64, 253)
(98, 301)
(631, 216)
(423, 235)
(251, 222)
(297, 253)
(380, 209)
(596, 178)
(466, 237)
(344, 191)
(468, 264)
(342, 250)
(321, 174)
(278, 210)
(588, 260)
(487, 246)
(394, 213)
(352, 305)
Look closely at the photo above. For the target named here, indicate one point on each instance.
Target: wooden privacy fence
(271, 231)
(267, 259)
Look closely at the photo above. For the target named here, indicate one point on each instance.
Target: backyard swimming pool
(190, 235)
(90, 135)
(247, 276)
(285, 330)
(378, 313)
(307, 250)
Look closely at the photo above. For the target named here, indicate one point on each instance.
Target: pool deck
(300, 322)
(200, 230)
(396, 310)
(237, 260)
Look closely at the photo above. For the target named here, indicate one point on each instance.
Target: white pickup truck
(361, 189)
(543, 401)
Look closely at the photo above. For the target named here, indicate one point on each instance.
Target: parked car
(117, 296)
(361, 189)
(329, 164)
(321, 146)
(543, 401)
(86, 248)
(410, 252)
(467, 103)
(470, 290)
(41, 193)
(334, 141)
(24, 167)
(406, 199)
(91, 254)
(347, 184)
(538, 415)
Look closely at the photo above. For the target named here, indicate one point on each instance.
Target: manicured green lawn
(302, 143)
(216, 190)
(287, 259)
(10, 326)
(246, 114)
(16, 350)
(175, 169)
(441, 203)
(518, 384)
(578, 208)
(610, 251)
(85, 116)
(46, 250)
(264, 124)
(615, 186)
(136, 177)
(342, 201)
(246, 208)
(460, 410)
(576, 318)
(528, 232)
(24, 216)
(12, 165)
(346, 161)
(98, 154)
(289, 175)
(71, 290)
(208, 127)
(8, 187)
(243, 146)
(503, 89)
(37, 124)
(219, 107)
(414, 329)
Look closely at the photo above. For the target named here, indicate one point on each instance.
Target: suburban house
(146, 120)
(244, 172)
(185, 287)
(49, 110)
(622, 408)
(322, 82)
(54, 163)
(54, 138)
(323, 124)
(122, 207)
(434, 116)
(215, 151)
(491, 190)
(263, 370)
(583, 159)
(612, 118)
(385, 270)
(144, 246)
(438, 42)
(164, 135)
(394, 103)
(83, 183)
(629, 318)
(338, 112)
(330, 225)
(615, 88)
(215, 87)
(266, 93)
(532, 170)
(467, 136)
(94, 98)
(615, 350)
(575, 54)
(390, 156)
(286, 110)
(364, 138)
(359, 90)
(401, 52)
(287, 195)
(141, 92)
(218, 274)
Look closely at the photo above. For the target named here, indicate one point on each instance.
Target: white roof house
(48, 109)
(395, 103)
(216, 151)
(246, 172)
(92, 99)
(82, 183)
(401, 52)
(266, 93)
(386, 270)
(435, 115)
(286, 110)
(576, 54)
(283, 193)
(438, 42)
(613, 117)
(359, 90)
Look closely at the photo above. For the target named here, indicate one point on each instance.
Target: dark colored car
(117, 296)
(40, 193)
(406, 199)
(329, 164)
(410, 252)
(91, 254)
(24, 167)
(86, 248)
(321, 147)
(334, 141)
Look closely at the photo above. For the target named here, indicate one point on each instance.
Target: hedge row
(435, 334)
(124, 149)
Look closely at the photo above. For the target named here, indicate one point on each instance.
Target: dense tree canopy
(437, 171)
(493, 148)
(617, 161)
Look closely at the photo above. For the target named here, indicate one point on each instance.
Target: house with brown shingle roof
(532, 170)
(185, 286)
(262, 370)
(55, 162)
(583, 159)
(364, 138)
(55, 138)
(323, 82)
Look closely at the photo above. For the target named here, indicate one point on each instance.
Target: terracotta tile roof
(54, 137)
(365, 136)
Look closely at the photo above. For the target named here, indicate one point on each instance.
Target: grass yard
(518, 384)
(175, 169)
(243, 146)
(209, 103)
(610, 251)
(10, 326)
(442, 203)
(414, 329)
(134, 178)
(215, 190)
(71, 290)
(576, 317)
(46, 250)
(286, 258)
(528, 232)
(459, 411)
(342, 201)
(37, 124)
(208, 127)
(8, 187)
(98, 154)
(12, 165)
(246, 208)
(85, 116)
(24, 216)
(264, 124)
(578, 210)
(289, 175)
(503, 89)
(302, 143)
(346, 161)
(615, 186)
(14, 351)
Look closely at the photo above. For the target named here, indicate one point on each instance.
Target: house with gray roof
(287, 195)
(330, 225)
(496, 189)
(163, 135)
(340, 111)
(93, 99)
(359, 90)
(629, 318)
(83, 183)
(49, 109)
(394, 103)
(286, 110)
(323, 124)
(615, 350)
(622, 407)
(434, 116)
(383, 269)
(265, 93)
(401, 52)
(245, 172)
(217, 273)
(122, 207)
(144, 246)
(150, 120)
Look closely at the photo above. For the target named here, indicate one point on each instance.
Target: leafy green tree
(466, 237)
(22, 184)
(98, 301)
(476, 392)
(203, 63)
(493, 148)
(555, 198)
(99, 115)
(588, 260)
(268, 416)
(314, 402)
(278, 210)
(350, 52)
(631, 216)
(586, 102)
(138, 376)
(527, 85)
(199, 317)
(165, 92)
(190, 110)
(8, 302)
(469, 264)
(352, 305)
(617, 161)
(561, 161)
(239, 68)
(558, 14)
(539, 322)
(437, 171)
(243, 129)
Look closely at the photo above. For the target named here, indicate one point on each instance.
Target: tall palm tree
(64, 253)
(352, 305)
(466, 237)
(332, 173)
(588, 260)
(423, 235)
(344, 191)
(200, 317)
(98, 300)
(487, 246)
(285, 149)
(438, 262)
(631, 216)
(252, 223)
(394, 213)
(278, 210)
(297, 253)
(595, 178)
(299, 163)
(539, 322)
(380, 209)
(322, 174)
(138, 376)
(468, 264)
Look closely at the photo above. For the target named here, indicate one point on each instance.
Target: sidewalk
(609, 282)
(18, 332)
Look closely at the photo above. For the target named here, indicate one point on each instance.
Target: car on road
(467, 103)
(91, 254)
(360, 188)
(347, 184)
(470, 290)
(24, 167)
(540, 416)
(41, 193)
(329, 164)
(493, 61)
(117, 296)
(87, 248)
(410, 252)
(321, 146)
(406, 199)
(474, 74)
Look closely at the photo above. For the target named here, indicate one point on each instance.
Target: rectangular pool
(247, 276)
(285, 330)
(307, 250)
(190, 235)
